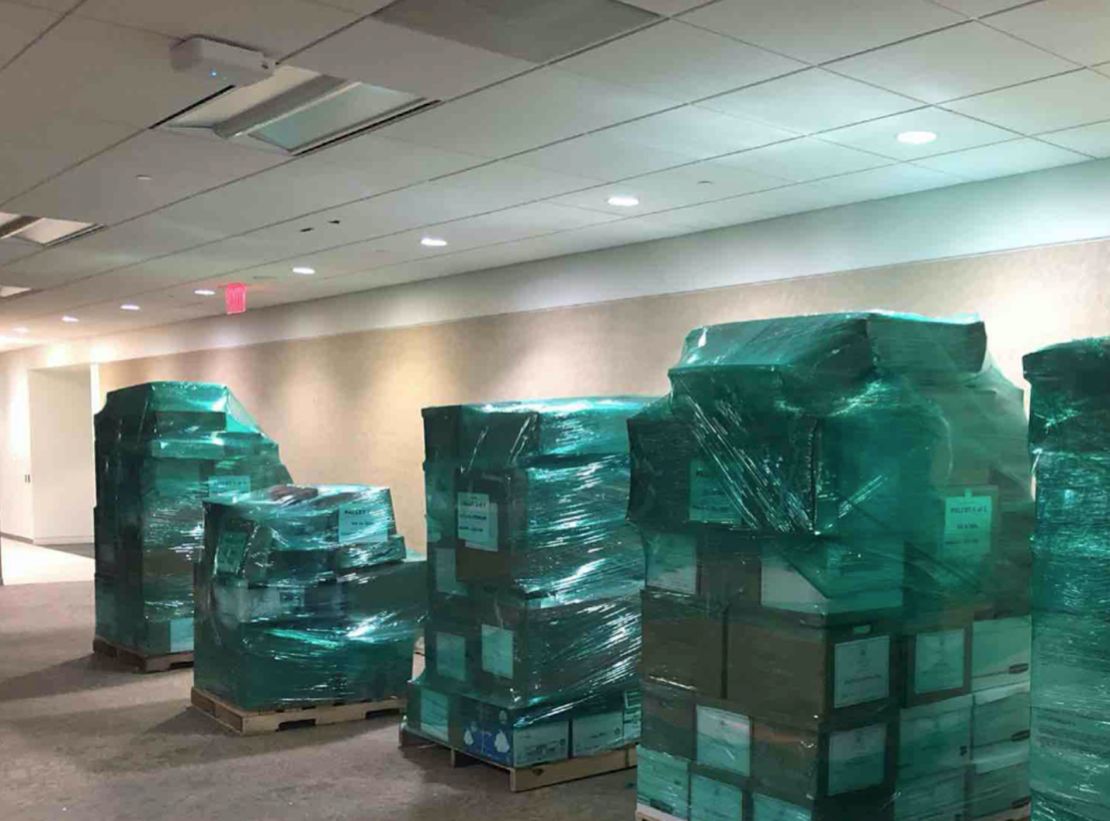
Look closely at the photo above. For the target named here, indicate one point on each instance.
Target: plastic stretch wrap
(535, 577)
(1069, 435)
(305, 594)
(836, 513)
(161, 449)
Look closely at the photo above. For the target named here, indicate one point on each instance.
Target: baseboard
(12, 537)
(64, 540)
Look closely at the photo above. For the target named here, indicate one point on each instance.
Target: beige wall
(347, 408)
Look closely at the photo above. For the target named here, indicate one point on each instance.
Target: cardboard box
(934, 738)
(703, 560)
(684, 642)
(717, 797)
(769, 808)
(1001, 652)
(668, 718)
(938, 797)
(1001, 714)
(999, 778)
(802, 673)
(663, 782)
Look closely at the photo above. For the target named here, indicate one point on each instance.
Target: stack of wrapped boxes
(534, 581)
(1069, 434)
(305, 595)
(161, 448)
(835, 512)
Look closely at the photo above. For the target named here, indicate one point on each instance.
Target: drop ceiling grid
(861, 180)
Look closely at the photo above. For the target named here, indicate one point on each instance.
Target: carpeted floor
(82, 739)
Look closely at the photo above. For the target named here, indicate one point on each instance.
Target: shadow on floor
(76, 675)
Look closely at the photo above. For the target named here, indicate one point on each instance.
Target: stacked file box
(161, 448)
(534, 581)
(305, 595)
(834, 508)
(1069, 435)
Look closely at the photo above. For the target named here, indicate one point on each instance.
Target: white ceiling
(711, 113)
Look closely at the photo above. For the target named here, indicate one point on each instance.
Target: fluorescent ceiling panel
(533, 30)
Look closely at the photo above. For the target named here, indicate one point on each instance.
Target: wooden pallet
(141, 663)
(522, 779)
(646, 813)
(258, 722)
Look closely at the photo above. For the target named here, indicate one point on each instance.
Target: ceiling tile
(666, 7)
(276, 27)
(1002, 159)
(34, 149)
(879, 183)
(679, 62)
(805, 159)
(674, 188)
(953, 133)
(810, 101)
(1044, 105)
(603, 156)
(19, 26)
(697, 133)
(762, 205)
(536, 30)
(979, 8)
(124, 76)
(395, 57)
(816, 32)
(523, 113)
(956, 62)
(12, 250)
(359, 6)
(1076, 29)
(52, 5)
(381, 164)
(1093, 139)
(105, 189)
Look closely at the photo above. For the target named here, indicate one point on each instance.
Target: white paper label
(181, 635)
(861, 671)
(709, 500)
(361, 522)
(446, 579)
(939, 661)
(672, 562)
(434, 714)
(228, 485)
(633, 715)
(451, 656)
(967, 524)
(857, 759)
(544, 742)
(477, 525)
(497, 651)
(594, 734)
(724, 740)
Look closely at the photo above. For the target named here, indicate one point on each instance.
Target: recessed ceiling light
(143, 177)
(623, 201)
(129, 306)
(204, 292)
(304, 270)
(20, 330)
(916, 137)
(68, 318)
(433, 242)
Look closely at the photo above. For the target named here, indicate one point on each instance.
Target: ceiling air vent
(533, 30)
(298, 111)
(42, 231)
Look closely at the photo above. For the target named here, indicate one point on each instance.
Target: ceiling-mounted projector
(212, 59)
